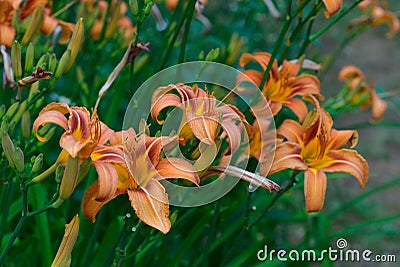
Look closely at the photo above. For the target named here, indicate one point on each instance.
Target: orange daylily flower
(332, 7)
(283, 84)
(48, 25)
(202, 114)
(316, 148)
(376, 14)
(139, 179)
(82, 132)
(356, 80)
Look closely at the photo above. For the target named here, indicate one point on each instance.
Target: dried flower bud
(29, 57)
(39, 74)
(70, 177)
(63, 64)
(16, 60)
(35, 21)
(75, 42)
(26, 124)
(8, 148)
(19, 159)
(38, 163)
(67, 244)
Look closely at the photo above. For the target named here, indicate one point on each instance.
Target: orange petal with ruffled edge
(348, 161)
(332, 6)
(314, 189)
(108, 180)
(291, 130)
(50, 116)
(261, 58)
(177, 168)
(151, 205)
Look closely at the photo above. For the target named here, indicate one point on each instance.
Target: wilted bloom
(139, 178)
(375, 15)
(47, 25)
(202, 113)
(332, 7)
(316, 148)
(283, 83)
(362, 93)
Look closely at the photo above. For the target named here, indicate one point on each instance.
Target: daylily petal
(154, 146)
(287, 156)
(151, 205)
(250, 76)
(7, 35)
(78, 123)
(349, 161)
(291, 130)
(234, 135)
(50, 116)
(332, 6)
(350, 72)
(305, 84)
(48, 25)
(177, 168)
(164, 101)
(107, 154)
(261, 58)
(378, 105)
(298, 107)
(90, 206)
(289, 69)
(341, 138)
(204, 128)
(71, 145)
(314, 189)
(108, 180)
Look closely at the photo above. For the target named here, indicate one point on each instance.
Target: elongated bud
(134, 7)
(15, 20)
(52, 63)
(148, 7)
(2, 111)
(64, 251)
(212, 55)
(75, 42)
(59, 173)
(63, 64)
(26, 124)
(36, 20)
(16, 60)
(70, 177)
(12, 110)
(29, 57)
(38, 163)
(18, 115)
(113, 24)
(8, 148)
(84, 169)
(19, 159)
(42, 63)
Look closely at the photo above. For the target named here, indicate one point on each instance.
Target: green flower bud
(148, 7)
(75, 42)
(19, 159)
(112, 26)
(63, 64)
(8, 148)
(38, 163)
(52, 63)
(26, 124)
(2, 111)
(12, 110)
(15, 119)
(29, 57)
(70, 177)
(134, 7)
(42, 63)
(35, 21)
(16, 60)
(59, 173)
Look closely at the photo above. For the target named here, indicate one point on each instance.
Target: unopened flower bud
(2, 111)
(38, 163)
(75, 42)
(15, 19)
(8, 148)
(133, 4)
(19, 159)
(52, 63)
(64, 251)
(148, 7)
(29, 57)
(59, 173)
(12, 110)
(212, 55)
(16, 59)
(70, 177)
(113, 24)
(35, 21)
(84, 169)
(18, 115)
(42, 63)
(63, 64)
(26, 124)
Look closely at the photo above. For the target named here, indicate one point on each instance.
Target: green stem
(306, 40)
(6, 203)
(334, 20)
(186, 31)
(276, 197)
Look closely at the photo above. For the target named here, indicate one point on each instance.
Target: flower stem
(187, 29)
